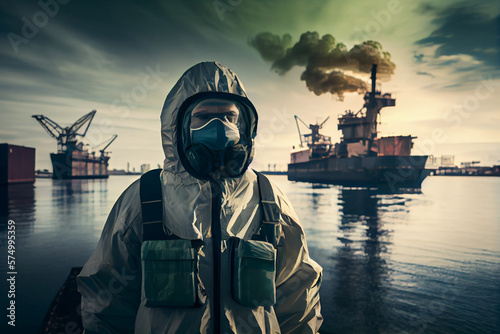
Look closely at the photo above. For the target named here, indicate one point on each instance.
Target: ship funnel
(374, 77)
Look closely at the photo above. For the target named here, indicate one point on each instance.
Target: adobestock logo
(30, 28)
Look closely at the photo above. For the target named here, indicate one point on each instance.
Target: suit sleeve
(110, 281)
(298, 279)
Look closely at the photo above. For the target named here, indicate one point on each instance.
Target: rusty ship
(72, 159)
(361, 158)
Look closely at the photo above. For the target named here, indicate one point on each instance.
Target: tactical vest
(152, 209)
(170, 264)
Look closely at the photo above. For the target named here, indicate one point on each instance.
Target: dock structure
(64, 313)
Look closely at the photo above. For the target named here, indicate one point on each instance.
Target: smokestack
(374, 77)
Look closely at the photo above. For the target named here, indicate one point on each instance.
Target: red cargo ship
(361, 159)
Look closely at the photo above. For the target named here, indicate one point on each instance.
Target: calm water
(393, 263)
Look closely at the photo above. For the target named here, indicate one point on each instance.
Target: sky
(64, 59)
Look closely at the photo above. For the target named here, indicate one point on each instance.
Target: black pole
(374, 77)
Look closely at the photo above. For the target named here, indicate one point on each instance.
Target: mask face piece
(216, 135)
(234, 159)
(201, 159)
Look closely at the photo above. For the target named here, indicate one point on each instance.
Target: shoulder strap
(270, 228)
(152, 209)
(151, 206)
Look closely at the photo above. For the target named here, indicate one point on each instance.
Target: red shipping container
(17, 164)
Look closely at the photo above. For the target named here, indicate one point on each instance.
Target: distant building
(145, 168)
(117, 172)
(435, 162)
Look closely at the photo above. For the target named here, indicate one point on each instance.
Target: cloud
(426, 73)
(465, 29)
(325, 59)
(418, 58)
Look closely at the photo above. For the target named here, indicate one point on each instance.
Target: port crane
(108, 141)
(314, 136)
(66, 137)
(319, 144)
(73, 160)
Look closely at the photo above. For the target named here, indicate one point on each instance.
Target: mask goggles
(214, 124)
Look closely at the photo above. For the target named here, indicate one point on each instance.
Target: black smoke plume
(325, 59)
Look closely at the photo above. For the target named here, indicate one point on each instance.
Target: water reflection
(361, 272)
(67, 188)
(58, 223)
(77, 201)
(70, 192)
(17, 201)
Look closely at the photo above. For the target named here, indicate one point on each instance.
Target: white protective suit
(110, 282)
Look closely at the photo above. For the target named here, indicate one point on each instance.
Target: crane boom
(73, 129)
(298, 128)
(53, 129)
(321, 125)
(110, 141)
(297, 117)
(66, 136)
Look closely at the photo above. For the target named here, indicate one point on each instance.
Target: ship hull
(66, 166)
(393, 172)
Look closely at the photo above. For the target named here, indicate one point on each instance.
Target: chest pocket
(169, 264)
(253, 276)
(253, 262)
(169, 269)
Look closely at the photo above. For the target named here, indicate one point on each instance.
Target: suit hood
(203, 80)
(187, 198)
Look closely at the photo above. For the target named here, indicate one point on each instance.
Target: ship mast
(374, 102)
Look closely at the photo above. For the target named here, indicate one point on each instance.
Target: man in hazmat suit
(204, 245)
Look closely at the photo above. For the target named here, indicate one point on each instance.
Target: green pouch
(169, 273)
(253, 273)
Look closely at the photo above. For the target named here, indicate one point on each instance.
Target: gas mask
(215, 147)
(216, 134)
